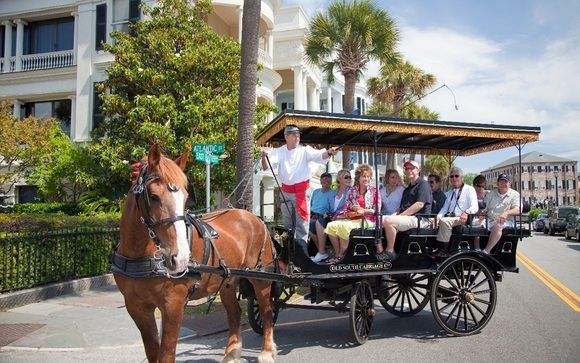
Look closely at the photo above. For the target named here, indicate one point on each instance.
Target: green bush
(534, 213)
(60, 208)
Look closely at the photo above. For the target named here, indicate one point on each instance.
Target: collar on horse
(152, 266)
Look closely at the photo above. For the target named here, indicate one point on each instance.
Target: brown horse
(155, 251)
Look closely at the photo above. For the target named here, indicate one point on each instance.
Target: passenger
(293, 172)
(480, 184)
(361, 202)
(417, 199)
(500, 204)
(439, 197)
(460, 203)
(391, 192)
(319, 214)
(337, 205)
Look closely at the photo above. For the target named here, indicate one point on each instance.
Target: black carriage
(461, 288)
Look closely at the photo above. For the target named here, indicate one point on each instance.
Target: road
(532, 323)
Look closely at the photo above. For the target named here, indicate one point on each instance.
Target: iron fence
(29, 259)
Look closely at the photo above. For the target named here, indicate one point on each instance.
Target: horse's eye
(155, 198)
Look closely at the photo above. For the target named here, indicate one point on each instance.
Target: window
(101, 26)
(2, 30)
(98, 116)
(49, 36)
(125, 12)
(60, 109)
(556, 168)
(539, 168)
(27, 193)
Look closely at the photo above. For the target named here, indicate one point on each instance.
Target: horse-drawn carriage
(461, 288)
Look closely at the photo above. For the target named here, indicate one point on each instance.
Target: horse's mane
(170, 172)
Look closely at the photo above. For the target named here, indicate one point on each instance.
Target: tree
(440, 165)
(398, 86)
(347, 37)
(25, 145)
(174, 81)
(247, 100)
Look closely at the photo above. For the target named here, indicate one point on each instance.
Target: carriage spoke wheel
(404, 294)
(463, 296)
(254, 317)
(362, 311)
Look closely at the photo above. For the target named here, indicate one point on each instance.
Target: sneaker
(383, 256)
(477, 250)
(320, 257)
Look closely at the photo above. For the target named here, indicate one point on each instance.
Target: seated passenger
(319, 211)
(337, 204)
(500, 204)
(417, 199)
(439, 197)
(480, 184)
(391, 192)
(361, 203)
(460, 202)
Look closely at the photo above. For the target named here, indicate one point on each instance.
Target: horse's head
(160, 195)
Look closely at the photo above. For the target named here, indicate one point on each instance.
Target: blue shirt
(320, 201)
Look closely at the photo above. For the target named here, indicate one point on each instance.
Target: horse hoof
(267, 357)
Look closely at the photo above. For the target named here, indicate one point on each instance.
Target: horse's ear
(154, 155)
(183, 159)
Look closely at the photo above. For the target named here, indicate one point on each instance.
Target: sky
(514, 62)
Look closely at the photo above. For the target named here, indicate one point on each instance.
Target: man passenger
(439, 197)
(461, 201)
(319, 213)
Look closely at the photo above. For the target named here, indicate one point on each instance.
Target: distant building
(544, 178)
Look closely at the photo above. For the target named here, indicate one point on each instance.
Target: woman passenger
(391, 192)
(337, 203)
(360, 203)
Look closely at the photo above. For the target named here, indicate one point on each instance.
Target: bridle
(140, 192)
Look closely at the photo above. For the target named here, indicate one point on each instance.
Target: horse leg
(262, 290)
(172, 317)
(233, 312)
(143, 314)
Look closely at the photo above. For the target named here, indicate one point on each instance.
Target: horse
(153, 256)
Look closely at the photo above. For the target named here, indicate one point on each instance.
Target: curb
(15, 299)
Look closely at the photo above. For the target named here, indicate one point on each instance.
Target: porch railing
(265, 59)
(32, 62)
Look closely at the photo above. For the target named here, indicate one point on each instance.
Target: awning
(431, 137)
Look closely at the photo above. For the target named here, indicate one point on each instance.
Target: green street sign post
(208, 154)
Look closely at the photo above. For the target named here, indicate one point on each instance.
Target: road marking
(564, 293)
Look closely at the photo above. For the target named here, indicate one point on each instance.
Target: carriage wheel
(404, 294)
(254, 317)
(463, 296)
(362, 311)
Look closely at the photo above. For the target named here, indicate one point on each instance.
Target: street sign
(213, 148)
(208, 154)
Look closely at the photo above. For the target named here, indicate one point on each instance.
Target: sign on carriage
(208, 152)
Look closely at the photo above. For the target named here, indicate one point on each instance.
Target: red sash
(300, 190)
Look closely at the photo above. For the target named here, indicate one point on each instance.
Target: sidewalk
(83, 320)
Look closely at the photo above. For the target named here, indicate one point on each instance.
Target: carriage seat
(515, 232)
(468, 230)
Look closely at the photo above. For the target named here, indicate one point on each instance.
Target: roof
(533, 157)
(399, 135)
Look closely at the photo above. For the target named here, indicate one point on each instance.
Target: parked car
(540, 222)
(556, 223)
(573, 228)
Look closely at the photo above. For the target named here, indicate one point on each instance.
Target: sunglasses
(454, 176)
(480, 186)
(347, 177)
(431, 182)
(410, 168)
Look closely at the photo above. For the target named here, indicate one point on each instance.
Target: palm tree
(398, 86)
(247, 99)
(347, 37)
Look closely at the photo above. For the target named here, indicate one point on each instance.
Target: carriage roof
(396, 134)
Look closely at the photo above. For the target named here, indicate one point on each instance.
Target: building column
(16, 104)
(109, 21)
(317, 98)
(73, 116)
(298, 88)
(75, 36)
(311, 98)
(7, 44)
(304, 90)
(19, 43)
(270, 42)
(240, 16)
(329, 99)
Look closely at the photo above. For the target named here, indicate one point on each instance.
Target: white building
(51, 58)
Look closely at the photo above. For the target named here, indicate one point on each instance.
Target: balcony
(34, 62)
(265, 59)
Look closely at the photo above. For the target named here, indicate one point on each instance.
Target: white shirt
(467, 201)
(293, 164)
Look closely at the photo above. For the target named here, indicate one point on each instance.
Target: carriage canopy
(399, 135)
